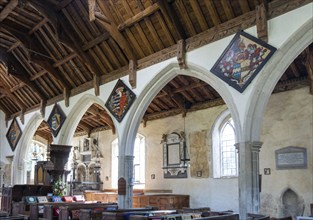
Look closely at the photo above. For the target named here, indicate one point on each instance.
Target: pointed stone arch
(270, 75)
(126, 141)
(75, 115)
(158, 82)
(19, 175)
(291, 203)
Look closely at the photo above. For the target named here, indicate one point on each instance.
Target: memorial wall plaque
(291, 158)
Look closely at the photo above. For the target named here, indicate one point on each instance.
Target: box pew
(189, 216)
(37, 209)
(72, 211)
(225, 216)
(14, 218)
(13, 196)
(252, 216)
(126, 214)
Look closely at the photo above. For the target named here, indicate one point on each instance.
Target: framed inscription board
(291, 158)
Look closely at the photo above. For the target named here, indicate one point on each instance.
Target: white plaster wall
(288, 122)
(203, 191)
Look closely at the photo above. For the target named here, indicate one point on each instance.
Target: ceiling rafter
(87, 128)
(143, 37)
(104, 116)
(139, 16)
(228, 9)
(8, 9)
(6, 91)
(198, 12)
(37, 54)
(16, 69)
(244, 5)
(212, 10)
(261, 21)
(67, 35)
(113, 30)
(189, 26)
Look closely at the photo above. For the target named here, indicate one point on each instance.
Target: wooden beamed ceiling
(54, 49)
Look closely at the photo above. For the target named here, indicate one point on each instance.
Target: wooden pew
(12, 197)
(126, 214)
(252, 216)
(35, 208)
(227, 216)
(181, 216)
(18, 217)
(50, 208)
(72, 211)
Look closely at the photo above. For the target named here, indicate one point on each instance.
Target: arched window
(139, 162)
(225, 157)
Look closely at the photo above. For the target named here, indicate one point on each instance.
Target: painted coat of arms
(56, 119)
(243, 58)
(14, 134)
(120, 100)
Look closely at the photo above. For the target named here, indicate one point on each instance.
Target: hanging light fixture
(35, 152)
(184, 156)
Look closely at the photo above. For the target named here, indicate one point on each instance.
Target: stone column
(249, 194)
(126, 171)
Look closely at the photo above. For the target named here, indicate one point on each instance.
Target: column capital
(256, 146)
(253, 145)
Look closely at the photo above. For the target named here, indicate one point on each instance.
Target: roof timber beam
(213, 12)
(37, 54)
(66, 35)
(6, 92)
(16, 69)
(220, 31)
(91, 9)
(133, 73)
(113, 29)
(38, 26)
(172, 19)
(96, 41)
(104, 116)
(167, 113)
(138, 17)
(261, 21)
(228, 9)
(8, 9)
(87, 128)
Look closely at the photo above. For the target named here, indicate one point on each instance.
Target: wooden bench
(37, 209)
(50, 209)
(232, 216)
(126, 214)
(252, 216)
(72, 211)
(12, 197)
(181, 216)
(18, 217)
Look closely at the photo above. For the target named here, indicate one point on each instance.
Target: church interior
(156, 109)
